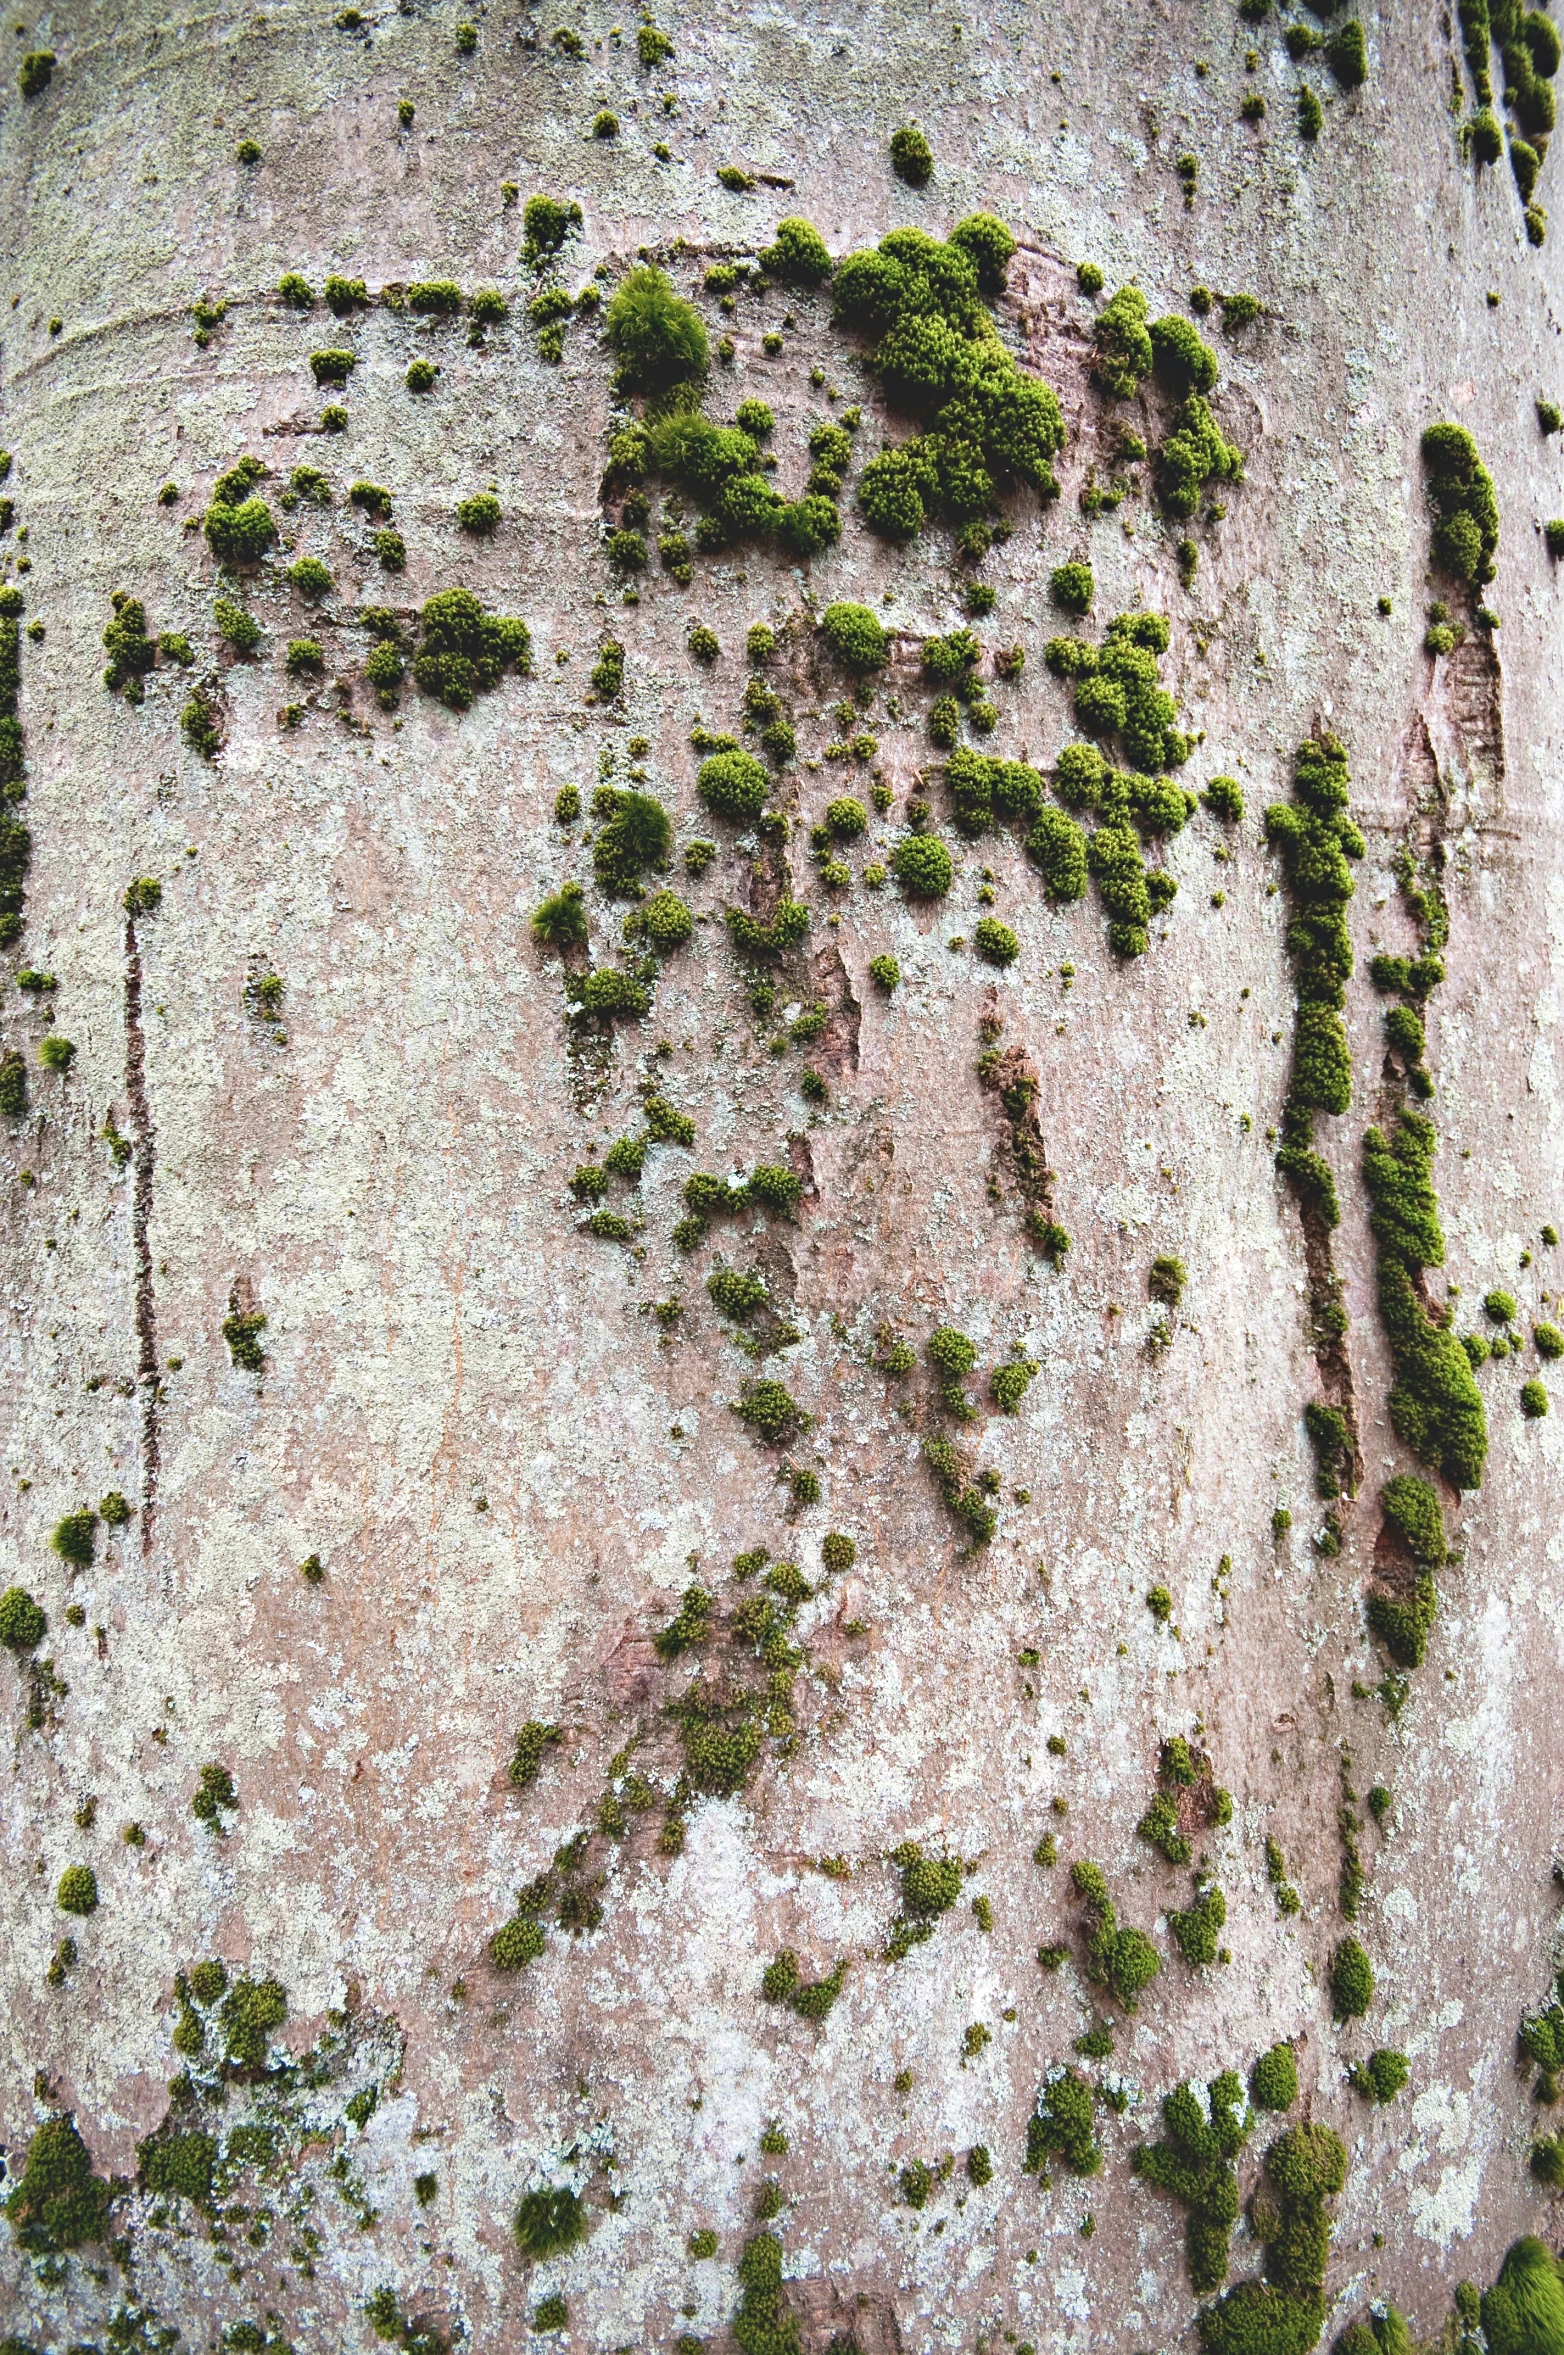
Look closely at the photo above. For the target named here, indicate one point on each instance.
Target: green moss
(798, 255)
(1122, 350)
(1346, 53)
(1435, 1406)
(23, 1624)
(658, 339)
(78, 1890)
(912, 158)
(178, 2166)
(1351, 1980)
(1072, 586)
(1123, 1961)
(35, 72)
(1010, 1383)
(923, 866)
(58, 2203)
(1195, 2165)
(1273, 2079)
(547, 2223)
(1195, 1927)
(546, 222)
(854, 636)
(1061, 2127)
(995, 943)
(770, 1410)
(242, 1329)
(1160, 1604)
(559, 921)
(214, 1793)
(74, 1537)
(1534, 1400)
(1523, 2314)
(1466, 508)
(1382, 2076)
(1223, 797)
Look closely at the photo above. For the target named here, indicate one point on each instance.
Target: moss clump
(214, 1794)
(1351, 1981)
(74, 1537)
(58, 2203)
(1122, 353)
(242, 1329)
(1273, 2080)
(238, 524)
(546, 223)
(533, 1741)
(559, 922)
(798, 255)
(1061, 2127)
(1195, 2164)
(885, 972)
(1010, 1383)
(912, 158)
(517, 1943)
(1195, 1927)
(638, 834)
(1072, 586)
(812, 1999)
(770, 1410)
(855, 638)
(1523, 2314)
(78, 1890)
(1534, 1400)
(23, 1624)
(464, 650)
(35, 72)
(1465, 504)
(984, 423)
(1283, 2313)
(548, 2222)
(178, 2166)
(923, 866)
(1435, 1405)
(658, 339)
(995, 943)
(1381, 2077)
(1316, 839)
(1224, 798)
(1123, 1961)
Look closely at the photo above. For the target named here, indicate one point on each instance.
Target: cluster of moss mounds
(58, 2202)
(1316, 839)
(1435, 1405)
(985, 425)
(1123, 1961)
(1127, 349)
(1528, 43)
(1283, 2312)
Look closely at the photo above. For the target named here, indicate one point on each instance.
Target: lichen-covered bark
(503, 1447)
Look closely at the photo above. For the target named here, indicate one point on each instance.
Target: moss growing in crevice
(1435, 1405)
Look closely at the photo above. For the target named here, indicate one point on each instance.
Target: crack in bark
(144, 1151)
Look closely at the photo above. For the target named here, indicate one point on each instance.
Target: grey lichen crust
(779, 973)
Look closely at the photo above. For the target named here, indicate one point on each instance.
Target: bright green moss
(1194, 1927)
(1057, 847)
(179, 2166)
(547, 221)
(559, 922)
(1072, 586)
(995, 943)
(1195, 2165)
(74, 1537)
(658, 339)
(923, 866)
(1435, 1406)
(854, 636)
(214, 1794)
(1534, 1401)
(1183, 363)
(1224, 798)
(1523, 2314)
(1466, 507)
(770, 1410)
(1382, 2076)
(1123, 1961)
(798, 255)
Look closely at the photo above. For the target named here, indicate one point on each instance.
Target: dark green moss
(1195, 2164)
(1123, 1961)
(58, 2203)
(1351, 1980)
(1062, 2127)
(548, 2222)
(74, 1537)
